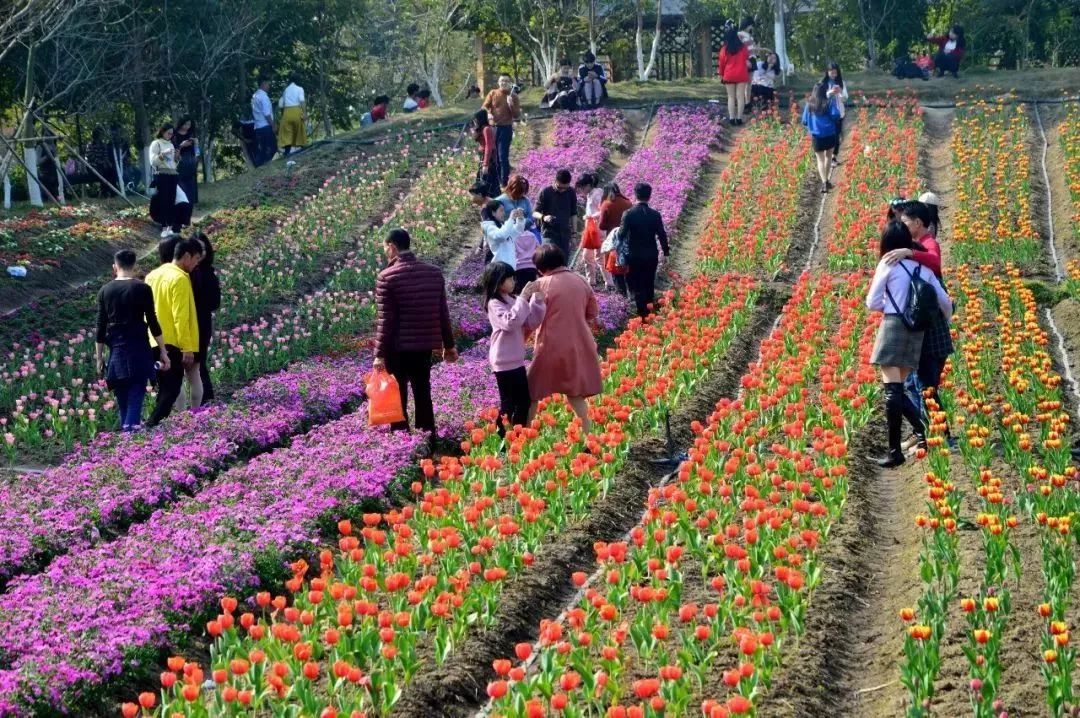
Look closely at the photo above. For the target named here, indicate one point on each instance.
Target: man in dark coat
(642, 227)
(413, 321)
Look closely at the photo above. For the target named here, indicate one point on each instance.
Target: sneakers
(892, 460)
(166, 233)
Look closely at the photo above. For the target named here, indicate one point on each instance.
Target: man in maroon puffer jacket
(413, 321)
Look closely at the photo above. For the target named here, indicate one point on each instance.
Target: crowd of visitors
(159, 330)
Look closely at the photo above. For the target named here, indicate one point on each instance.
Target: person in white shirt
(591, 238)
(262, 112)
(837, 92)
(292, 133)
(897, 348)
(500, 231)
(763, 80)
(412, 102)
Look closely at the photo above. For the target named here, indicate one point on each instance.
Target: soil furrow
(457, 688)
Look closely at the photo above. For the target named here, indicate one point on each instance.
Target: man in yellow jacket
(174, 304)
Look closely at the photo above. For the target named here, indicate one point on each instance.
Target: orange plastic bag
(384, 399)
(591, 238)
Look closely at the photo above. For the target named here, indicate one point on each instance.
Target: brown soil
(1040, 208)
(457, 688)
(936, 167)
(847, 661)
(695, 218)
(808, 210)
(75, 271)
(1067, 319)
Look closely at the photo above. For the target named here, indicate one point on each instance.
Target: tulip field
(273, 555)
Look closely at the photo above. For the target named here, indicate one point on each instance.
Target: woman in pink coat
(565, 359)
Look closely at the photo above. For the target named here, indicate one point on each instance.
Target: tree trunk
(27, 130)
(30, 157)
(644, 74)
(637, 42)
(592, 27)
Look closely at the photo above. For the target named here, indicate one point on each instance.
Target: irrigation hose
(1058, 274)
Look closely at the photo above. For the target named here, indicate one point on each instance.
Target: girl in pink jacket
(510, 316)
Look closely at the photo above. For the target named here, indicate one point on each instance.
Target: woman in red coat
(950, 51)
(565, 359)
(734, 73)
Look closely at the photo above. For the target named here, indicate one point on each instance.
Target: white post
(120, 183)
(7, 191)
(147, 174)
(31, 159)
(59, 181)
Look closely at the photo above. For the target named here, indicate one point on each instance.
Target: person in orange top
(734, 73)
(504, 106)
(612, 208)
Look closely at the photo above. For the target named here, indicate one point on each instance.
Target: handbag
(384, 399)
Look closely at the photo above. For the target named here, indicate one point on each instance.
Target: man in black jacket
(641, 228)
(413, 321)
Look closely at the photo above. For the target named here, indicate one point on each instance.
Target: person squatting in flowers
(511, 317)
(897, 349)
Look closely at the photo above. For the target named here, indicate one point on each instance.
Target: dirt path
(936, 167)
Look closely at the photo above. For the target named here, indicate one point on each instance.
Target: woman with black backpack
(908, 297)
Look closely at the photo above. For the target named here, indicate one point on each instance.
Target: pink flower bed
(75, 626)
(583, 142)
(122, 477)
(682, 138)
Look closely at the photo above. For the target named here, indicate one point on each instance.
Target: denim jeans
(129, 400)
(504, 136)
(266, 141)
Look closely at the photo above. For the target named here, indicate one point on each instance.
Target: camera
(515, 89)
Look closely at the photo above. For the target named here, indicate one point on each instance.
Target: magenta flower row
(75, 625)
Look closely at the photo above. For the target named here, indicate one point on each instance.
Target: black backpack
(922, 305)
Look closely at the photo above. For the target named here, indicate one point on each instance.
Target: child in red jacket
(950, 51)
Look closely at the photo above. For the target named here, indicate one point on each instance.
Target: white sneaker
(166, 233)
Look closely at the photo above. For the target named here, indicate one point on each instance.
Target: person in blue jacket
(821, 117)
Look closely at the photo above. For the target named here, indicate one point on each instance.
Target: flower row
(751, 230)
(72, 627)
(883, 164)
(725, 556)
(581, 142)
(681, 141)
(992, 222)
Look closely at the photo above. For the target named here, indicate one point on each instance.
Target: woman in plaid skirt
(897, 349)
(937, 342)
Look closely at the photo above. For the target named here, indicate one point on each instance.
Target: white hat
(929, 198)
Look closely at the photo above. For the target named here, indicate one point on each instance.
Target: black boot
(894, 417)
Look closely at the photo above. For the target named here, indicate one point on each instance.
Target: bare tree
(542, 27)
(873, 15)
(198, 55)
(35, 21)
(644, 71)
(433, 25)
